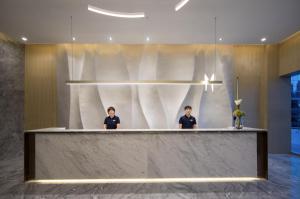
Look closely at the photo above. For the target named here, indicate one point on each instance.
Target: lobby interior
(236, 63)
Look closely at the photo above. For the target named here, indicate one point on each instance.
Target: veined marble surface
(145, 155)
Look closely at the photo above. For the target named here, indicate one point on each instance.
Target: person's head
(111, 111)
(187, 110)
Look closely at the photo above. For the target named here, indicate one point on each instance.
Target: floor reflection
(284, 182)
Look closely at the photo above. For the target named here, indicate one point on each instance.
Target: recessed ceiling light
(180, 4)
(263, 39)
(147, 38)
(220, 39)
(116, 14)
(24, 38)
(110, 38)
(73, 38)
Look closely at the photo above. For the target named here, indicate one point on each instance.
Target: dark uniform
(187, 122)
(111, 123)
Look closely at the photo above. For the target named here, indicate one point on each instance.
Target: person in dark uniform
(111, 121)
(187, 121)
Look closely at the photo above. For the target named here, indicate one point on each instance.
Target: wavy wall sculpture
(145, 106)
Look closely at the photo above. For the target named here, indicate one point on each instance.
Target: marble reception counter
(52, 154)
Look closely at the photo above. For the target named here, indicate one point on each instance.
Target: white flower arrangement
(238, 102)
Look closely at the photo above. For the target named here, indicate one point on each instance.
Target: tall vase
(238, 123)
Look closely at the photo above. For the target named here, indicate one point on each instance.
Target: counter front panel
(132, 154)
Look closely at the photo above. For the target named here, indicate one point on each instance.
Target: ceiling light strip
(115, 14)
(180, 4)
(144, 82)
(146, 180)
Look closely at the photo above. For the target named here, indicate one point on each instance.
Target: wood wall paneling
(40, 86)
(289, 55)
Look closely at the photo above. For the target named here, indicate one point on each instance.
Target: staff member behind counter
(111, 121)
(187, 121)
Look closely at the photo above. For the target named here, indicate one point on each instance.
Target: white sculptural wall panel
(147, 106)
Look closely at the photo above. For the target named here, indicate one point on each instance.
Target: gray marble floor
(284, 182)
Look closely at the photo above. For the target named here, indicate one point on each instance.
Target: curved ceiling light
(116, 14)
(180, 4)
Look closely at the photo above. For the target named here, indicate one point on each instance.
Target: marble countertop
(64, 130)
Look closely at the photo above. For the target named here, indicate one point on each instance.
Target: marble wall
(11, 108)
(12, 97)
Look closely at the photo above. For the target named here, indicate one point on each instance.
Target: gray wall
(278, 104)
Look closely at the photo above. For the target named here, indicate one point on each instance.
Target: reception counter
(157, 154)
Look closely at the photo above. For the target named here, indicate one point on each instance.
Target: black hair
(187, 107)
(111, 108)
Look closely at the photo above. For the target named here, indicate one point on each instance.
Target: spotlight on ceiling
(180, 4)
(115, 14)
(263, 39)
(24, 38)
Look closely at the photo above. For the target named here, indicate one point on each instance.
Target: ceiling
(238, 21)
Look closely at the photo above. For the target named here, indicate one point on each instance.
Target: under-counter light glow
(220, 39)
(73, 38)
(147, 38)
(179, 5)
(110, 38)
(146, 180)
(263, 39)
(24, 38)
(116, 14)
